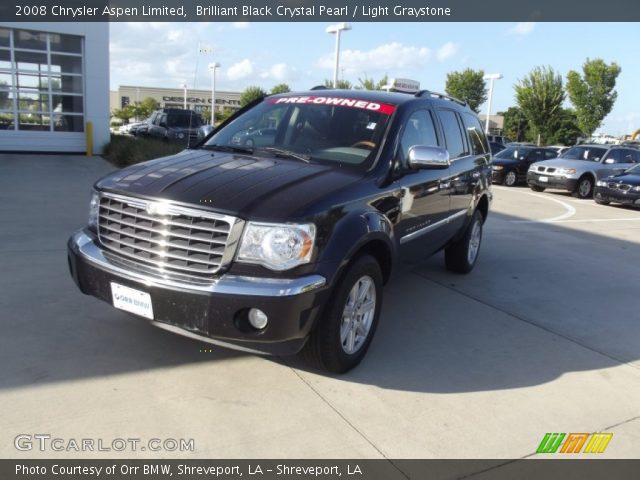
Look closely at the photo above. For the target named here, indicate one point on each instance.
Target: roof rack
(424, 93)
(320, 87)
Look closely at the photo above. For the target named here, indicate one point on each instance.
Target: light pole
(337, 29)
(491, 77)
(184, 86)
(212, 69)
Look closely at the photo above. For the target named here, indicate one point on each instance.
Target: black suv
(510, 165)
(174, 125)
(281, 241)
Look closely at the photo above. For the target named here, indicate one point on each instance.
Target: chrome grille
(165, 236)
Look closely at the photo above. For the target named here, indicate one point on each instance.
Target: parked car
(286, 246)
(578, 169)
(623, 188)
(496, 147)
(560, 149)
(127, 129)
(498, 139)
(175, 125)
(510, 166)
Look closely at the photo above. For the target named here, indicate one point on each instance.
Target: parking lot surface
(543, 336)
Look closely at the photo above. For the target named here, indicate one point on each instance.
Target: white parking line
(576, 220)
(569, 213)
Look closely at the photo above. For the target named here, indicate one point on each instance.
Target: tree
(370, 84)
(280, 88)
(146, 107)
(592, 94)
(125, 113)
(250, 94)
(468, 85)
(342, 84)
(516, 125)
(565, 130)
(540, 95)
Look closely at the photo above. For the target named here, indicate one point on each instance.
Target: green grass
(124, 150)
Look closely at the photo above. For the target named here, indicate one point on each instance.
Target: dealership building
(54, 86)
(197, 100)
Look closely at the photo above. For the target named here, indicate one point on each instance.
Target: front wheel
(341, 339)
(584, 188)
(601, 202)
(461, 256)
(537, 189)
(510, 178)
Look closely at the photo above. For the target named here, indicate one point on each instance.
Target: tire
(537, 189)
(335, 344)
(584, 189)
(601, 202)
(461, 256)
(510, 178)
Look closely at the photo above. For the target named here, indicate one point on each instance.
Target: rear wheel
(341, 339)
(601, 202)
(584, 188)
(510, 178)
(461, 256)
(537, 189)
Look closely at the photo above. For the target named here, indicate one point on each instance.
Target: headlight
(566, 171)
(601, 183)
(532, 168)
(94, 208)
(180, 135)
(277, 246)
(636, 189)
(498, 167)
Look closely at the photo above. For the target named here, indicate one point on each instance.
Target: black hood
(240, 185)
(506, 161)
(628, 178)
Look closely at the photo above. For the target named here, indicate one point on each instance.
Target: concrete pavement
(542, 337)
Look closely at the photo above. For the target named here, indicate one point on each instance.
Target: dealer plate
(131, 300)
(543, 179)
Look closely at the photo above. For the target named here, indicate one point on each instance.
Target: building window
(41, 81)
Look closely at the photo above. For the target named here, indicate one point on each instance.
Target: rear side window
(550, 154)
(453, 134)
(476, 136)
(613, 155)
(628, 156)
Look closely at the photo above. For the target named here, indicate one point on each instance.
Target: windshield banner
(384, 108)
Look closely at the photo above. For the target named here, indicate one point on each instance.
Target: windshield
(184, 121)
(635, 169)
(512, 153)
(584, 153)
(315, 128)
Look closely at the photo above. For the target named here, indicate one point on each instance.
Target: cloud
(447, 50)
(389, 56)
(522, 28)
(280, 72)
(240, 25)
(240, 70)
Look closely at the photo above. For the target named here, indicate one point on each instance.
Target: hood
(239, 185)
(628, 178)
(579, 165)
(506, 161)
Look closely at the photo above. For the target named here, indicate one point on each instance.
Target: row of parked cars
(608, 173)
(169, 124)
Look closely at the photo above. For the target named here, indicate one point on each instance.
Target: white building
(54, 86)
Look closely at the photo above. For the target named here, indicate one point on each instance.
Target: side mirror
(424, 157)
(609, 161)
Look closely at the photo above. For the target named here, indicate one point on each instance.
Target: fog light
(258, 319)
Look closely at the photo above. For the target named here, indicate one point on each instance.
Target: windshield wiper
(228, 148)
(279, 152)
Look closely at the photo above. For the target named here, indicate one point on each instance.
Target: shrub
(123, 150)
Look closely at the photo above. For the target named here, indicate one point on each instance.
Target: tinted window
(536, 156)
(550, 154)
(628, 156)
(613, 155)
(584, 153)
(476, 135)
(452, 134)
(419, 130)
(516, 153)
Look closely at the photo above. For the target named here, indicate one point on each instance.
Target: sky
(301, 54)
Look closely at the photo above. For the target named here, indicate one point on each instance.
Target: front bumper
(563, 183)
(214, 312)
(606, 194)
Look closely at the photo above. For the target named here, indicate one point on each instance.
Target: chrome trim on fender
(430, 228)
(225, 284)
